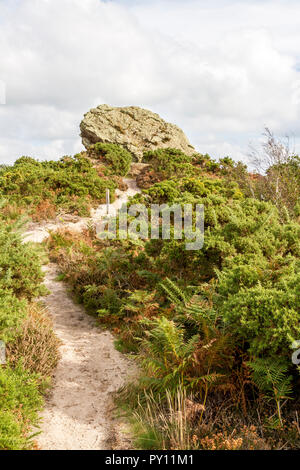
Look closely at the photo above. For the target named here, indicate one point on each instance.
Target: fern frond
(174, 293)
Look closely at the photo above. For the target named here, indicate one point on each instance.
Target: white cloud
(2, 93)
(220, 72)
(39, 149)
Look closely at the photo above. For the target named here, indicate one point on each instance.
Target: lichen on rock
(136, 129)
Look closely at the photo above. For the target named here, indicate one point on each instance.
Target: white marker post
(2, 353)
(107, 201)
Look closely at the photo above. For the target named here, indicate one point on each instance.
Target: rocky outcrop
(136, 129)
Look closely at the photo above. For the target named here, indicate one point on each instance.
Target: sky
(222, 70)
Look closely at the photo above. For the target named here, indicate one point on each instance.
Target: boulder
(136, 129)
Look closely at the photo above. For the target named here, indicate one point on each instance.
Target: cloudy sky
(221, 70)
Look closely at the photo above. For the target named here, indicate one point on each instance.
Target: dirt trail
(78, 413)
(39, 232)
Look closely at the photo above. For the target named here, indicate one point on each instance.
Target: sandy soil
(79, 411)
(39, 232)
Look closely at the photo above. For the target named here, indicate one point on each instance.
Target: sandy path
(78, 413)
(39, 232)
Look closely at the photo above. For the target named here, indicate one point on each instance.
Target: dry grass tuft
(179, 423)
(170, 421)
(37, 345)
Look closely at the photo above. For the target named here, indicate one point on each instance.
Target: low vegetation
(117, 159)
(211, 329)
(27, 332)
(45, 189)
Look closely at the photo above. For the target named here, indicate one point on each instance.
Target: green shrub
(20, 270)
(117, 157)
(166, 191)
(169, 163)
(267, 318)
(11, 432)
(233, 302)
(191, 190)
(20, 389)
(12, 311)
(20, 279)
(71, 184)
(19, 405)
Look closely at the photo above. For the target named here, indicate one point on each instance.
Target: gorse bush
(20, 279)
(173, 163)
(12, 311)
(169, 162)
(71, 184)
(20, 270)
(250, 254)
(164, 164)
(190, 190)
(116, 157)
(21, 399)
(199, 320)
(267, 318)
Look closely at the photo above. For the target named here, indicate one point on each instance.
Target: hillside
(211, 329)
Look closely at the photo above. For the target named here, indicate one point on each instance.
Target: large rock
(134, 128)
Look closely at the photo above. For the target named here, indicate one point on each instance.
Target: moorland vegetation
(211, 329)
